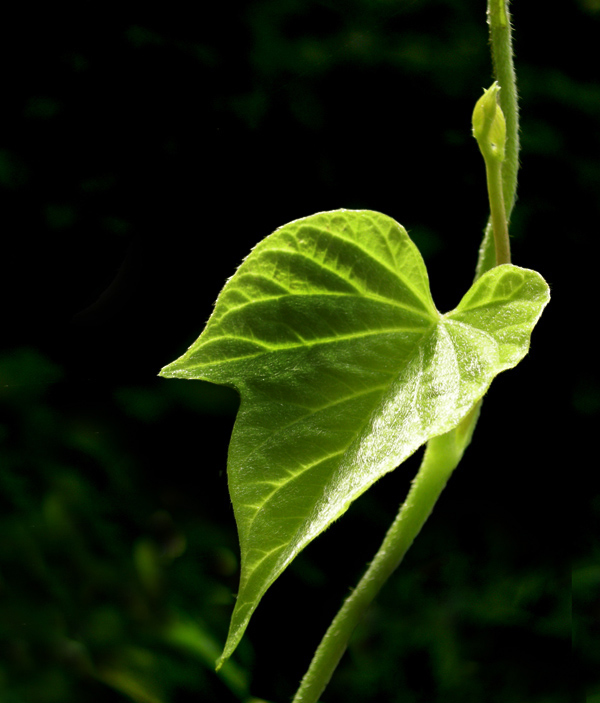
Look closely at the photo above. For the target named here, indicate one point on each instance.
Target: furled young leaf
(345, 368)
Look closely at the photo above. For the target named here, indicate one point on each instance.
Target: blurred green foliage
(98, 586)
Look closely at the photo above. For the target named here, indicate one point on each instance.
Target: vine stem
(441, 457)
(443, 453)
(423, 494)
(499, 23)
(494, 169)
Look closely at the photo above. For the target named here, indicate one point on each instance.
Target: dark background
(141, 157)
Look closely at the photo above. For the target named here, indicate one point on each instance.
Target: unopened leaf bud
(489, 125)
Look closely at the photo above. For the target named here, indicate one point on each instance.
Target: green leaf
(344, 367)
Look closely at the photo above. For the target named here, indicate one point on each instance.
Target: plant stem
(504, 72)
(494, 169)
(442, 454)
(441, 458)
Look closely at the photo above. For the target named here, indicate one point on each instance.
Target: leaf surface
(344, 367)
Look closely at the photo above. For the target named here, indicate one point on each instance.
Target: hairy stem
(443, 453)
(504, 73)
(494, 171)
(441, 458)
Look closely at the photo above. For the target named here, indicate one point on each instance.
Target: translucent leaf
(344, 367)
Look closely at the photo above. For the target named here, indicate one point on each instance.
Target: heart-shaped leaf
(344, 367)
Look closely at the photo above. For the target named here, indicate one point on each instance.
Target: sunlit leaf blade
(505, 303)
(344, 368)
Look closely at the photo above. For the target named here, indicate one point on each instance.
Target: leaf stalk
(493, 169)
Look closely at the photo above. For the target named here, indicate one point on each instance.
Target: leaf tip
(170, 370)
